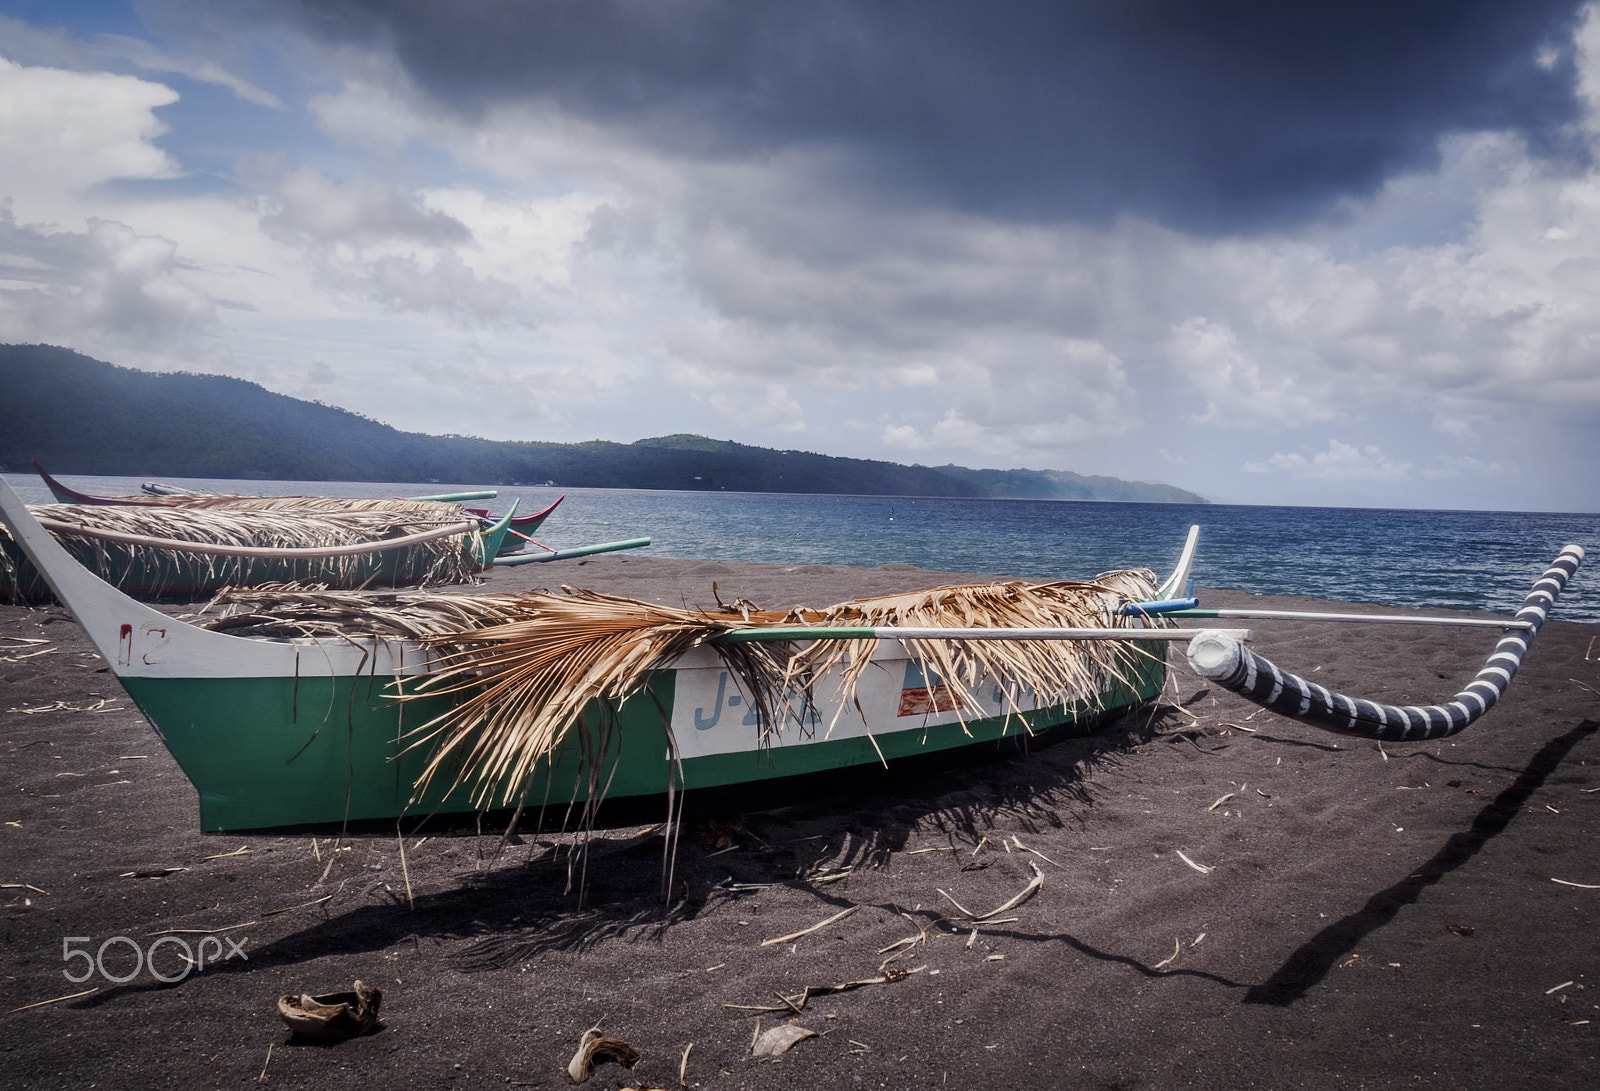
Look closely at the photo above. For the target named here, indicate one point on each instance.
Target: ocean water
(1429, 559)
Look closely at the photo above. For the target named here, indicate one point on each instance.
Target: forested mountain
(78, 415)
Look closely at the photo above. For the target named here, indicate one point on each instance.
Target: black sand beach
(1229, 899)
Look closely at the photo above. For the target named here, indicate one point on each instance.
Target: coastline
(1373, 916)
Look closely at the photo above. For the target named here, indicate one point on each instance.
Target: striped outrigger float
(1220, 658)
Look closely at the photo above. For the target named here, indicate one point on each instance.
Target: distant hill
(79, 415)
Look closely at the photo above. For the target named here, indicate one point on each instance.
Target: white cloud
(73, 130)
(1462, 466)
(531, 242)
(307, 207)
(903, 437)
(146, 56)
(106, 290)
(1242, 391)
(1340, 462)
(54, 48)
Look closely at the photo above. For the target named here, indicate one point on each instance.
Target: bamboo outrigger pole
(906, 632)
(1231, 665)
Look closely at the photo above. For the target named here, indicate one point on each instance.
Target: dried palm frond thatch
(524, 667)
(308, 609)
(147, 566)
(1053, 672)
(417, 509)
(523, 685)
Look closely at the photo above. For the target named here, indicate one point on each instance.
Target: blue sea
(1431, 559)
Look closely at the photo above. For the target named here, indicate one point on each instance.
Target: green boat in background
(155, 494)
(190, 552)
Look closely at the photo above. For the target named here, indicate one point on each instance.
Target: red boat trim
(66, 495)
(538, 516)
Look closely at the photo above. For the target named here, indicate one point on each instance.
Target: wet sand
(1368, 917)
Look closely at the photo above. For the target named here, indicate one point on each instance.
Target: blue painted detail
(917, 679)
(1159, 606)
(700, 721)
(724, 699)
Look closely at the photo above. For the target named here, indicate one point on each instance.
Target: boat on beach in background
(155, 494)
(191, 551)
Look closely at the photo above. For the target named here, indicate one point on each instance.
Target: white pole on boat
(509, 559)
(906, 632)
(1311, 615)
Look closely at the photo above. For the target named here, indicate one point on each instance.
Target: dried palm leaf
(523, 684)
(291, 610)
(1051, 672)
(446, 559)
(422, 509)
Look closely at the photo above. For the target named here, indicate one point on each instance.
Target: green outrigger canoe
(512, 539)
(276, 733)
(289, 732)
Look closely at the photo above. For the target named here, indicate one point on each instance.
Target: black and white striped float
(1223, 659)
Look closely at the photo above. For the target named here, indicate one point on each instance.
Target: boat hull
(278, 733)
(278, 751)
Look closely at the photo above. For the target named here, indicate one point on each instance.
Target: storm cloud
(1212, 117)
(1273, 253)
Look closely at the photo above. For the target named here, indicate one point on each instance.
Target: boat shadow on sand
(515, 911)
(1310, 962)
(532, 896)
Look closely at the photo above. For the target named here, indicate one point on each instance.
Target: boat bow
(142, 642)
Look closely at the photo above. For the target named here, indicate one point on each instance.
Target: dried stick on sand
(1033, 884)
(814, 928)
(55, 1000)
(1017, 841)
(798, 1002)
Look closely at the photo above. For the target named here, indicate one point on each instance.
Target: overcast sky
(1328, 253)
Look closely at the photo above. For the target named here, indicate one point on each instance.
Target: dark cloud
(1207, 116)
(306, 206)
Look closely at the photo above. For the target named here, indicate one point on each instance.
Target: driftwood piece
(798, 1001)
(333, 1016)
(596, 1050)
(839, 916)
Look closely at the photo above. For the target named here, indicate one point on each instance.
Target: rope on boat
(310, 552)
(1231, 665)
